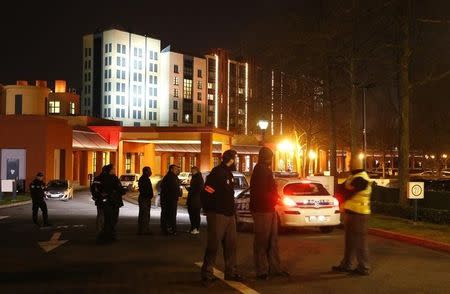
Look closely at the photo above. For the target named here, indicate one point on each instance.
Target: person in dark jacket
(37, 188)
(145, 201)
(218, 202)
(170, 192)
(113, 191)
(263, 199)
(193, 200)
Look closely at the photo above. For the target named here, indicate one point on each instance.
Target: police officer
(218, 202)
(263, 199)
(37, 188)
(113, 191)
(145, 201)
(193, 199)
(170, 192)
(357, 190)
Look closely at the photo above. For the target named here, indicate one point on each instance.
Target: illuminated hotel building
(183, 89)
(227, 92)
(121, 77)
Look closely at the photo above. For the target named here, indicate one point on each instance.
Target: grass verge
(7, 199)
(435, 232)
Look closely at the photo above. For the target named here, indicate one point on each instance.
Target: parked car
(185, 178)
(130, 181)
(240, 182)
(59, 190)
(302, 203)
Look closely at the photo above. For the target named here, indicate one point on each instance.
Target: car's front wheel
(326, 230)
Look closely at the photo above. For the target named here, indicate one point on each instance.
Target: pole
(364, 129)
(415, 210)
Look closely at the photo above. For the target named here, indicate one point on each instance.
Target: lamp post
(365, 87)
(263, 124)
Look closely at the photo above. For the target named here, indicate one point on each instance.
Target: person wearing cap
(357, 190)
(218, 203)
(112, 201)
(37, 188)
(145, 201)
(263, 199)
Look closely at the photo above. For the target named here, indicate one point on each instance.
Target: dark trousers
(265, 246)
(145, 204)
(356, 240)
(221, 230)
(111, 217)
(169, 215)
(194, 217)
(100, 218)
(43, 206)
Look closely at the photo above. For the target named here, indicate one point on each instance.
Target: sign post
(416, 191)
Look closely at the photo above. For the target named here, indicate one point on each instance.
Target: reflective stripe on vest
(360, 202)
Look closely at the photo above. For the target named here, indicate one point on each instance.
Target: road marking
(68, 226)
(62, 227)
(4, 216)
(53, 243)
(236, 285)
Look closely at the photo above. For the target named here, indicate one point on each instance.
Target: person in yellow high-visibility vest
(357, 190)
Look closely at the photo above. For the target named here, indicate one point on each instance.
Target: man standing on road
(263, 199)
(357, 190)
(145, 201)
(170, 192)
(113, 191)
(193, 200)
(37, 188)
(218, 202)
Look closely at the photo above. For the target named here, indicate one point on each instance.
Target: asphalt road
(161, 264)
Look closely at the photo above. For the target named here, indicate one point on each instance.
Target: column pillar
(76, 165)
(164, 163)
(206, 150)
(120, 168)
(137, 163)
(187, 162)
(98, 162)
(84, 168)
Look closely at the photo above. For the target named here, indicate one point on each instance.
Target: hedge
(435, 208)
(431, 215)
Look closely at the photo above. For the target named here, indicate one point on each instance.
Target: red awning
(90, 141)
(247, 149)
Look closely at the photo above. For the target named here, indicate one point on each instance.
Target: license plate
(317, 219)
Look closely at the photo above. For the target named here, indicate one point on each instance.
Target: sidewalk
(427, 235)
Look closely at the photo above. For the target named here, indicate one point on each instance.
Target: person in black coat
(145, 201)
(193, 200)
(263, 199)
(113, 191)
(37, 188)
(170, 192)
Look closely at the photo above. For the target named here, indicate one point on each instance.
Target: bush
(431, 215)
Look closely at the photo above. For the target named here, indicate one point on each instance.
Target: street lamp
(263, 124)
(365, 87)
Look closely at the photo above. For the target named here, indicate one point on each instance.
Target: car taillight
(335, 202)
(289, 202)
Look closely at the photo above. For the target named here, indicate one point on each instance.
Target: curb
(439, 246)
(15, 204)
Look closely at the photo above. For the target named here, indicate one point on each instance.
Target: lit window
(199, 85)
(175, 81)
(72, 108)
(187, 89)
(175, 92)
(54, 107)
(128, 163)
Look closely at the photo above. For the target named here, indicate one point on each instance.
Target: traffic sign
(416, 190)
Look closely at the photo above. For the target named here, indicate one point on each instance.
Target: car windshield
(305, 189)
(127, 178)
(240, 183)
(57, 184)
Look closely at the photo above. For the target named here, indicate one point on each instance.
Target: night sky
(43, 39)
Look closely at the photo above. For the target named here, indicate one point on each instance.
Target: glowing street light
(444, 156)
(263, 124)
(312, 154)
(285, 146)
(361, 156)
